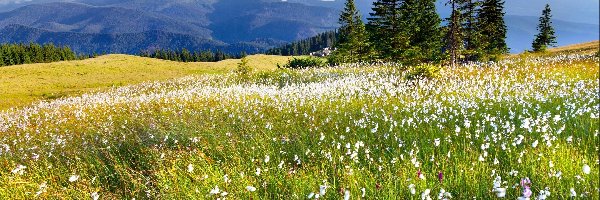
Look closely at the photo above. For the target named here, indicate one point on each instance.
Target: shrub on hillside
(243, 69)
(423, 71)
(305, 62)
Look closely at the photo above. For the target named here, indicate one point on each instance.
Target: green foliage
(406, 31)
(307, 46)
(353, 43)
(470, 36)
(16, 54)
(305, 62)
(243, 70)
(424, 71)
(491, 28)
(453, 33)
(421, 24)
(545, 37)
(186, 56)
(410, 32)
(385, 30)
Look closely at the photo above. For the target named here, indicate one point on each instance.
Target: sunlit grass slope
(588, 47)
(23, 84)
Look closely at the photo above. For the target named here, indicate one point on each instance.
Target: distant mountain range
(108, 25)
(129, 26)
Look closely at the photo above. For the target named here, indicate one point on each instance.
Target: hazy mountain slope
(522, 30)
(82, 18)
(235, 20)
(192, 11)
(247, 25)
(115, 43)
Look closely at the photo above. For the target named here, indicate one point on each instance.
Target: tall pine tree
(492, 29)
(353, 44)
(470, 34)
(545, 37)
(421, 24)
(386, 31)
(454, 41)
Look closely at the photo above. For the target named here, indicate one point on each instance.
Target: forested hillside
(306, 46)
(16, 54)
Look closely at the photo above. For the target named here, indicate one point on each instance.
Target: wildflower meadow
(524, 127)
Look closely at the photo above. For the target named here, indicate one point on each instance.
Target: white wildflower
(425, 195)
(215, 190)
(19, 170)
(322, 190)
(95, 196)
(250, 188)
(347, 195)
(411, 187)
(73, 178)
(586, 169)
(190, 168)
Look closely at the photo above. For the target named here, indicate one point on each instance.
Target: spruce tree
(454, 42)
(385, 30)
(353, 44)
(470, 35)
(492, 29)
(545, 37)
(421, 24)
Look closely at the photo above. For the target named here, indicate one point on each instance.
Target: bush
(243, 69)
(305, 62)
(424, 71)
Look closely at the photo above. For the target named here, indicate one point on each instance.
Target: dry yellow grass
(588, 47)
(585, 48)
(23, 84)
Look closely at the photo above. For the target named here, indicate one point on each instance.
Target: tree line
(411, 32)
(16, 54)
(307, 46)
(185, 55)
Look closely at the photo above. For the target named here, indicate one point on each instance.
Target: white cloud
(4, 2)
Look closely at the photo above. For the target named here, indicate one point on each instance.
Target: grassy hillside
(582, 48)
(24, 84)
(588, 47)
(523, 125)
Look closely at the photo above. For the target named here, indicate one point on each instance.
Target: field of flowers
(524, 127)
